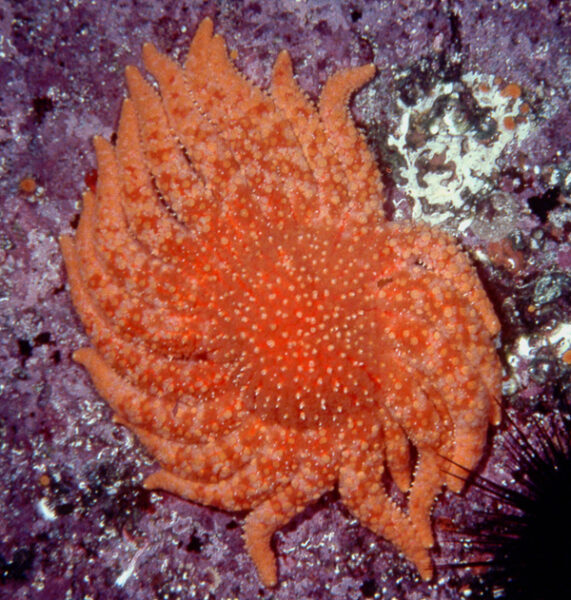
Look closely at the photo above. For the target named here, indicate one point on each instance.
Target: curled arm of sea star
(159, 375)
(158, 283)
(150, 223)
(238, 492)
(470, 438)
(251, 481)
(320, 154)
(131, 316)
(213, 461)
(168, 417)
(364, 180)
(467, 376)
(441, 254)
(459, 386)
(177, 181)
(427, 483)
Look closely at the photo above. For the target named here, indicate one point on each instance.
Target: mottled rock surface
(75, 521)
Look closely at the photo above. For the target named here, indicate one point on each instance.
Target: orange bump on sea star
(256, 321)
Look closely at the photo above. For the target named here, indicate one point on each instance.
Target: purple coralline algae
(470, 118)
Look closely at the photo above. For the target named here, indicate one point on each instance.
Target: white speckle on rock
(449, 155)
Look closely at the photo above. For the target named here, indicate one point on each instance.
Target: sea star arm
(160, 375)
(158, 283)
(427, 482)
(308, 484)
(176, 179)
(364, 180)
(212, 461)
(318, 151)
(453, 359)
(260, 139)
(451, 356)
(215, 414)
(133, 318)
(418, 243)
(202, 140)
(240, 491)
(264, 471)
(211, 156)
(470, 431)
(150, 223)
(286, 473)
(211, 255)
(397, 452)
(214, 264)
(362, 492)
(468, 367)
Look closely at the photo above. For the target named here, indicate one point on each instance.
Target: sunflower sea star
(255, 320)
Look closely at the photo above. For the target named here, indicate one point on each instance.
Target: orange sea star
(256, 321)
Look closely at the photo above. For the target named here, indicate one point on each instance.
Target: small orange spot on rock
(509, 123)
(512, 90)
(28, 186)
(44, 480)
(524, 109)
(503, 254)
(567, 357)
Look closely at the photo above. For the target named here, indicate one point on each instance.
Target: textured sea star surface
(256, 321)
